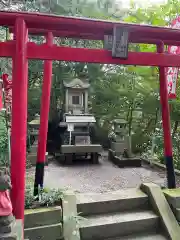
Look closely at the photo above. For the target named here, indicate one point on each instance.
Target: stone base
(91, 148)
(34, 149)
(95, 158)
(6, 220)
(129, 162)
(6, 224)
(124, 162)
(8, 237)
(8, 228)
(32, 158)
(173, 198)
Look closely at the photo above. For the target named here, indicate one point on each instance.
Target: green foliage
(3, 140)
(47, 197)
(130, 92)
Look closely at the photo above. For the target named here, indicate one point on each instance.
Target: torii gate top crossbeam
(89, 29)
(92, 27)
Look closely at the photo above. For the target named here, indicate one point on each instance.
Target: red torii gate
(20, 50)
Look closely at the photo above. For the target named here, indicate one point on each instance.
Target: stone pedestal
(32, 156)
(34, 147)
(7, 224)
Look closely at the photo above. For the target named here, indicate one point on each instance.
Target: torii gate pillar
(168, 153)
(19, 119)
(45, 103)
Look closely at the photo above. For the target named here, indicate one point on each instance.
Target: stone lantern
(120, 151)
(34, 132)
(121, 142)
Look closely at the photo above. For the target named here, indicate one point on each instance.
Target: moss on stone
(172, 192)
(39, 210)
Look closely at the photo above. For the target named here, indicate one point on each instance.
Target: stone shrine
(76, 139)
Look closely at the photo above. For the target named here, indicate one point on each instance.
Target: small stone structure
(7, 221)
(120, 152)
(34, 131)
(121, 142)
(173, 198)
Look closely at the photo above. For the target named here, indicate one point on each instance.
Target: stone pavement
(86, 177)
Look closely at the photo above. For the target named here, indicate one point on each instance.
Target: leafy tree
(131, 92)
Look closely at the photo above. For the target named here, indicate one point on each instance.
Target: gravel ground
(86, 177)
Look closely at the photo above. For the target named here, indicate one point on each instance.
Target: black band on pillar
(170, 172)
(39, 177)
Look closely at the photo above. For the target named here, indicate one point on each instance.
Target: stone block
(8, 237)
(118, 147)
(91, 148)
(6, 220)
(162, 208)
(118, 224)
(34, 149)
(18, 229)
(32, 157)
(42, 216)
(111, 154)
(173, 197)
(111, 202)
(6, 229)
(47, 232)
(69, 222)
(177, 213)
(129, 162)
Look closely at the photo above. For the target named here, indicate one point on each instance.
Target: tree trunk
(132, 105)
(130, 118)
(175, 128)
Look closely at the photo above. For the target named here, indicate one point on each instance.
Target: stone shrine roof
(120, 121)
(77, 83)
(35, 121)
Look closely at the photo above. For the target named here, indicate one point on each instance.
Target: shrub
(3, 142)
(47, 197)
